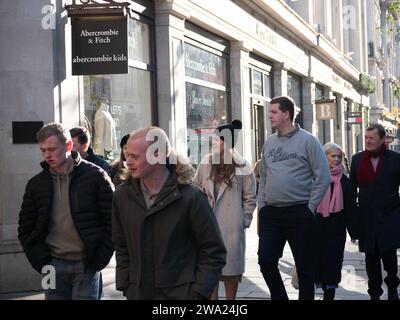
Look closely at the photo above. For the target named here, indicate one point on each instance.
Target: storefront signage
(99, 45)
(266, 35)
(354, 118)
(326, 109)
(204, 65)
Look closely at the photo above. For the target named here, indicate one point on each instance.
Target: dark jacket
(349, 207)
(90, 202)
(180, 230)
(378, 214)
(346, 218)
(331, 235)
(98, 161)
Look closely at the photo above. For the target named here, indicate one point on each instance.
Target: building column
(240, 99)
(385, 43)
(280, 79)
(350, 132)
(305, 8)
(169, 29)
(309, 115)
(337, 31)
(330, 130)
(340, 124)
(32, 78)
(328, 18)
(354, 27)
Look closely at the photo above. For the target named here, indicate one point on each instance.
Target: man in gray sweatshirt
(294, 177)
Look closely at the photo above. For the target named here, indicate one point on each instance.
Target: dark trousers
(374, 271)
(330, 233)
(277, 225)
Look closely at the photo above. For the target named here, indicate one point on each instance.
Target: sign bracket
(91, 7)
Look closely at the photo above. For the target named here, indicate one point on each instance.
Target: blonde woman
(229, 183)
(332, 219)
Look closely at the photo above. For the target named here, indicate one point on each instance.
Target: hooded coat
(178, 234)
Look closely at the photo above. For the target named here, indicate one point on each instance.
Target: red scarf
(366, 173)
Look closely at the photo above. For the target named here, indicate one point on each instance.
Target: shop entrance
(258, 127)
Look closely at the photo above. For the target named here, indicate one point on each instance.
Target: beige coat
(233, 208)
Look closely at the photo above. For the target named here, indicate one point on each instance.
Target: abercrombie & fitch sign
(99, 45)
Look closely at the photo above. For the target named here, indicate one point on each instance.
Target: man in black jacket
(81, 144)
(65, 218)
(375, 173)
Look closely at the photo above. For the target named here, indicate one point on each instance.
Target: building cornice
(174, 7)
(293, 22)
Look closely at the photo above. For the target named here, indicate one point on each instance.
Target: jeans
(73, 282)
(294, 224)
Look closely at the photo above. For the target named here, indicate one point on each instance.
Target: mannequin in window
(105, 139)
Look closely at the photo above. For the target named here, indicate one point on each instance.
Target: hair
(54, 129)
(346, 164)
(81, 133)
(330, 146)
(119, 162)
(286, 104)
(381, 130)
(224, 172)
(183, 169)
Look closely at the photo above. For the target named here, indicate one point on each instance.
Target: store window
(260, 96)
(257, 83)
(319, 92)
(206, 103)
(206, 95)
(116, 104)
(268, 85)
(206, 107)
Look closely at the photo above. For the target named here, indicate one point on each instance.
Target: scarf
(333, 201)
(366, 173)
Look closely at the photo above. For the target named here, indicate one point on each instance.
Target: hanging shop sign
(99, 45)
(325, 109)
(354, 117)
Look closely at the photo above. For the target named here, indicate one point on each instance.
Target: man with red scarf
(376, 173)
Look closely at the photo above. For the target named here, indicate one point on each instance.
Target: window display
(206, 97)
(119, 103)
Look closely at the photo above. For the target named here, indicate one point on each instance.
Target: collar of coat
(168, 193)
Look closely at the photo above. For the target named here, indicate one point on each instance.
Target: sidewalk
(253, 287)
(352, 287)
